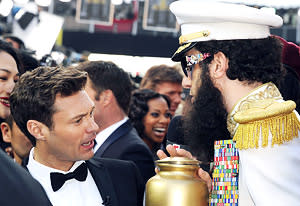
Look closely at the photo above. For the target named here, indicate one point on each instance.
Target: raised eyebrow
(84, 114)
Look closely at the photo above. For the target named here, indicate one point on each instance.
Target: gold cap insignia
(182, 48)
(184, 38)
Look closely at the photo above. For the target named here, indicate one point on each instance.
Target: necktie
(58, 179)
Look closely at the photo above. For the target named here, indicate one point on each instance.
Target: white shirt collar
(42, 172)
(73, 192)
(104, 134)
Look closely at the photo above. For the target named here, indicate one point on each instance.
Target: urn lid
(178, 161)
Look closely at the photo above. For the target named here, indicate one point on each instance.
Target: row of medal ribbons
(225, 174)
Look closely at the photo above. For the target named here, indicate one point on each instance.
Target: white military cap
(212, 20)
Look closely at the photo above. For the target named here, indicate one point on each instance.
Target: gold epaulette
(266, 116)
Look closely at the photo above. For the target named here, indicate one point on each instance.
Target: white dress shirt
(104, 134)
(73, 192)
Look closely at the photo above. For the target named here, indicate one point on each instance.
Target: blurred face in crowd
(173, 91)
(13, 43)
(20, 144)
(98, 116)
(72, 135)
(9, 75)
(156, 121)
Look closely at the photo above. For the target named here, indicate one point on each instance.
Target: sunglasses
(188, 63)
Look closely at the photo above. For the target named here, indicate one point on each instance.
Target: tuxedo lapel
(103, 182)
(122, 130)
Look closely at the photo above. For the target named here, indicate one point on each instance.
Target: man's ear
(6, 132)
(106, 97)
(37, 129)
(220, 65)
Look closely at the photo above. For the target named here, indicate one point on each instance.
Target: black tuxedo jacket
(17, 186)
(119, 182)
(125, 144)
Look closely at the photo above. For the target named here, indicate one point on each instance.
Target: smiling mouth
(5, 102)
(159, 130)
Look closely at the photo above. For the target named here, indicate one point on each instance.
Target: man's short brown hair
(159, 74)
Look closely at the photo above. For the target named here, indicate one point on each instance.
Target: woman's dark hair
(252, 60)
(15, 39)
(139, 107)
(6, 47)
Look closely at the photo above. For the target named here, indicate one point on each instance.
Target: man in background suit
(53, 110)
(110, 88)
(165, 80)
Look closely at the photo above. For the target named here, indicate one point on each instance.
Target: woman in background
(150, 115)
(10, 71)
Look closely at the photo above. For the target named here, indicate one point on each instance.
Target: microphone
(106, 201)
(175, 134)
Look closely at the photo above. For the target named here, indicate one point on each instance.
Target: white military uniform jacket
(266, 131)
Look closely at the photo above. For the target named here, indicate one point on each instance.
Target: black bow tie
(58, 179)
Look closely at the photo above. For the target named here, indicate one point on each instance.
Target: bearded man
(233, 65)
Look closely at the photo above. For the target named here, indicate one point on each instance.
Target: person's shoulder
(267, 121)
(131, 139)
(18, 186)
(133, 143)
(264, 109)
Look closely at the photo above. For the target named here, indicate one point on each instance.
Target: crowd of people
(85, 135)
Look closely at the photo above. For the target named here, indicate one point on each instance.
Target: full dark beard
(206, 121)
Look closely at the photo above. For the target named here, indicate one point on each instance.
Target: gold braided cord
(182, 48)
(283, 128)
(257, 133)
(185, 38)
(263, 109)
(262, 97)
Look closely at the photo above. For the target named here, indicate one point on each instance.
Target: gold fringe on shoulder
(283, 128)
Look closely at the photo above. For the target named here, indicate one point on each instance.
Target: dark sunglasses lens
(183, 66)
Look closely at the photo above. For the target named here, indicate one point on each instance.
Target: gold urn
(176, 184)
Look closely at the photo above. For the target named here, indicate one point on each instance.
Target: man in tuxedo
(53, 110)
(110, 88)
